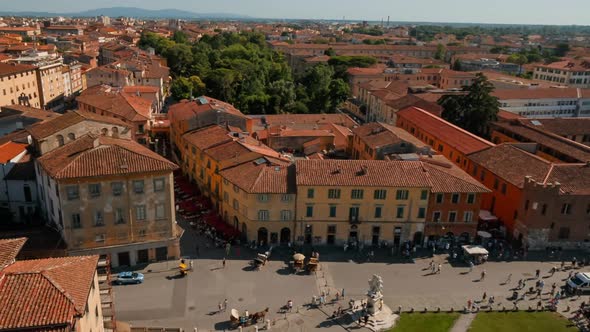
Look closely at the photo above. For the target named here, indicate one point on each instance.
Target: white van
(580, 280)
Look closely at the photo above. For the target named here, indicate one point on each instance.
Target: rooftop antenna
(388, 21)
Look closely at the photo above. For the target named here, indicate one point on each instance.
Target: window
(263, 197)
(526, 205)
(543, 209)
(225, 196)
(236, 205)
(310, 193)
(378, 211)
(400, 212)
(455, 198)
(138, 186)
(285, 198)
(452, 216)
(467, 216)
(424, 195)
(140, 212)
(94, 189)
(98, 220)
(496, 184)
(72, 192)
(436, 216)
(503, 188)
(60, 140)
(99, 238)
(441, 147)
(236, 189)
(421, 213)
(160, 211)
(439, 198)
(332, 211)
(380, 194)
(482, 176)
(331, 229)
(71, 136)
(333, 193)
(309, 211)
(356, 194)
(470, 198)
(402, 194)
(76, 223)
(263, 215)
(142, 233)
(119, 219)
(566, 208)
(117, 188)
(159, 184)
(564, 233)
(286, 215)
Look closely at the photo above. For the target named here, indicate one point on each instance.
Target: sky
(562, 12)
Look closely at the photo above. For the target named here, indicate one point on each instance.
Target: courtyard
(166, 301)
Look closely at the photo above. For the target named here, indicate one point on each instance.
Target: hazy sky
(480, 11)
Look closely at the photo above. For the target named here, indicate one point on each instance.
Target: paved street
(164, 301)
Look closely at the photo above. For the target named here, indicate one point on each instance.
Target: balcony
(354, 220)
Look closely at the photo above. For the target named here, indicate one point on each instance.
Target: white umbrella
(484, 234)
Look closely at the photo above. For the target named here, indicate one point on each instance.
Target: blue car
(127, 278)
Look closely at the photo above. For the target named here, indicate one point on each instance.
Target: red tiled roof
(45, 293)
(33, 300)
(44, 129)
(511, 163)
(9, 249)
(451, 135)
(574, 179)
(12, 68)
(260, 179)
(377, 135)
(10, 150)
(380, 173)
(92, 156)
(207, 137)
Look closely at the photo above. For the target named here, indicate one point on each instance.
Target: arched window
(60, 140)
(115, 131)
(104, 131)
(71, 136)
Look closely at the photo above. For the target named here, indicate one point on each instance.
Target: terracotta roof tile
(10, 150)
(92, 156)
(511, 163)
(573, 178)
(377, 135)
(45, 129)
(9, 249)
(561, 126)
(32, 300)
(574, 150)
(207, 137)
(12, 68)
(301, 121)
(458, 138)
(263, 178)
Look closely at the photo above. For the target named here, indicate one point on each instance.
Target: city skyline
(452, 11)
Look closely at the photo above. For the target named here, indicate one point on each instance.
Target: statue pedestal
(374, 303)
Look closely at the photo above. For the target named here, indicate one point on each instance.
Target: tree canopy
(472, 111)
(241, 69)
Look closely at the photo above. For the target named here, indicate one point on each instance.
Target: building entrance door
(124, 258)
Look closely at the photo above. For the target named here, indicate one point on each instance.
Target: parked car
(126, 278)
(580, 280)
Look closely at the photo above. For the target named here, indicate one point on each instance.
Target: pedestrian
(508, 279)
(483, 275)
(220, 307)
(470, 266)
(366, 319)
(562, 265)
(520, 284)
(190, 263)
(539, 293)
(360, 320)
(227, 248)
(439, 267)
(342, 293)
(223, 262)
(537, 273)
(337, 295)
(539, 304)
(225, 305)
(246, 313)
(574, 260)
(433, 268)
(290, 305)
(431, 264)
(553, 289)
(553, 269)
(469, 303)
(484, 296)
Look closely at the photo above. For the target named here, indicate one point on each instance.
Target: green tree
(180, 58)
(180, 37)
(473, 111)
(330, 52)
(184, 88)
(561, 49)
(441, 52)
(339, 92)
(519, 59)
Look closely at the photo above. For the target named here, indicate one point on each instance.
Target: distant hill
(130, 12)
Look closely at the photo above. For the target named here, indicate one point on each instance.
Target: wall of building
(93, 318)
(12, 86)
